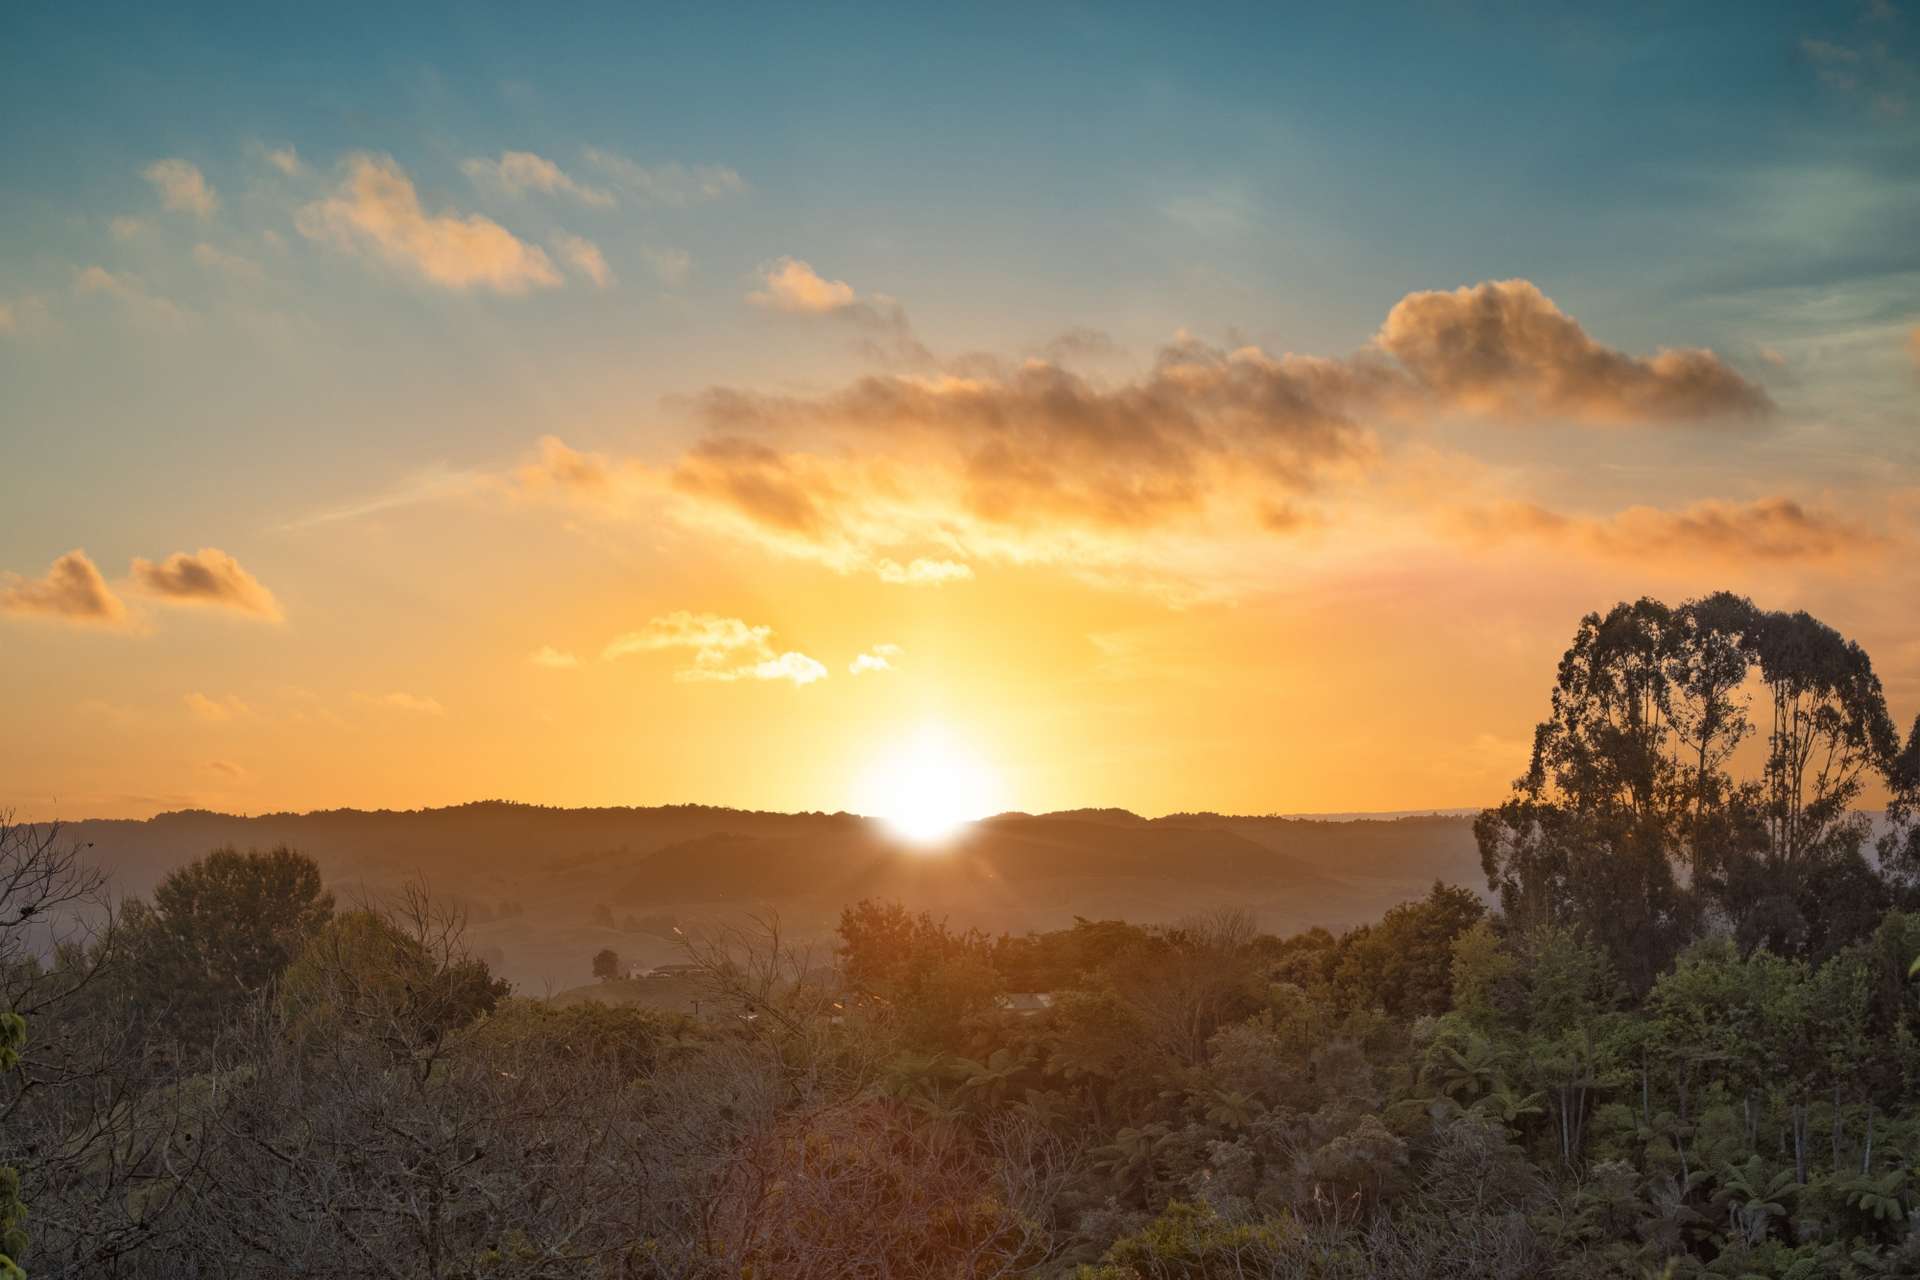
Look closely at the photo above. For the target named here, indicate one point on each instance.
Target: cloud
(1913, 346)
(217, 710)
(724, 649)
(571, 477)
(670, 185)
(412, 703)
(147, 308)
(584, 256)
(1766, 530)
(793, 285)
(556, 659)
(71, 590)
(228, 264)
(1039, 444)
(672, 266)
(922, 571)
(125, 227)
(228, 769)
(210, 577)
(1504, 350)
(518, 172)
(376, 211)
(795, 288)
(878, 658)
(286, 160)
(1156, 477)
(23, 314)
(182, 187)
(1833, 63)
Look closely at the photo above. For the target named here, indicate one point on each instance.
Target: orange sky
(1251, 446)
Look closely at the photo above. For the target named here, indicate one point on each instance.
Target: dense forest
(1685, 1041)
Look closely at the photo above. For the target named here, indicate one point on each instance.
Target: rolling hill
(545, 888)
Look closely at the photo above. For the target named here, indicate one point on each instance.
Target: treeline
(1686, 1043)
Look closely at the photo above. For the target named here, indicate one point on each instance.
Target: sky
(1178, 408)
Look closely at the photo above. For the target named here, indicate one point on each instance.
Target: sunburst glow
(927, 787)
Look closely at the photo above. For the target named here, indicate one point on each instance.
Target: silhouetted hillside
(544, 888)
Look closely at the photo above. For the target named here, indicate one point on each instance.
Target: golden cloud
(1774, 529)
(209, 577)
(1503, 350)
(376, 211)
(724, 649)
(182, 187)
(793, 285)
(71, 589)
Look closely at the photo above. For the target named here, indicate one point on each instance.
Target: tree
(1630, 821)
(220, 931)
(606, 964)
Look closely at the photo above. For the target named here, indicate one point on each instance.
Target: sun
(927, 787)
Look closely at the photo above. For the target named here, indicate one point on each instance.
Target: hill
(545, 888)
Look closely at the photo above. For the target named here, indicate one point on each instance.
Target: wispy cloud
(217, 710)
(376, 212)
(671, 185)
(71, 590)
(922, 571)
(208, 577)
(141, 304)
(22, 314)
(554, 659)
(285, 160)
(1768, 530)
(584, 256)
(231, 265)
(724, 649)
(671, 266)
(411, 703)
(182, 187)
(518, 172)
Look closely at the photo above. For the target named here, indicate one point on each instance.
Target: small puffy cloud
(584, 256)
(182, 187)
(518, 172)
(376, 212)
(922, 571)
(208, 577)
(669, 185)
(231, 265)
(724, 649)
(554, 659)
(125, 227)
(217, 710)
(1503, 349)
(1767, 530)
(71, 590)
(793, 285)
(672, 266)
(878, 658)
(411, 703)
(286, 160)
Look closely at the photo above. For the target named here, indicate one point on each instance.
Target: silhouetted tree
(606, 964)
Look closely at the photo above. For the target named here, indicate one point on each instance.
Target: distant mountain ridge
(545, 887)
